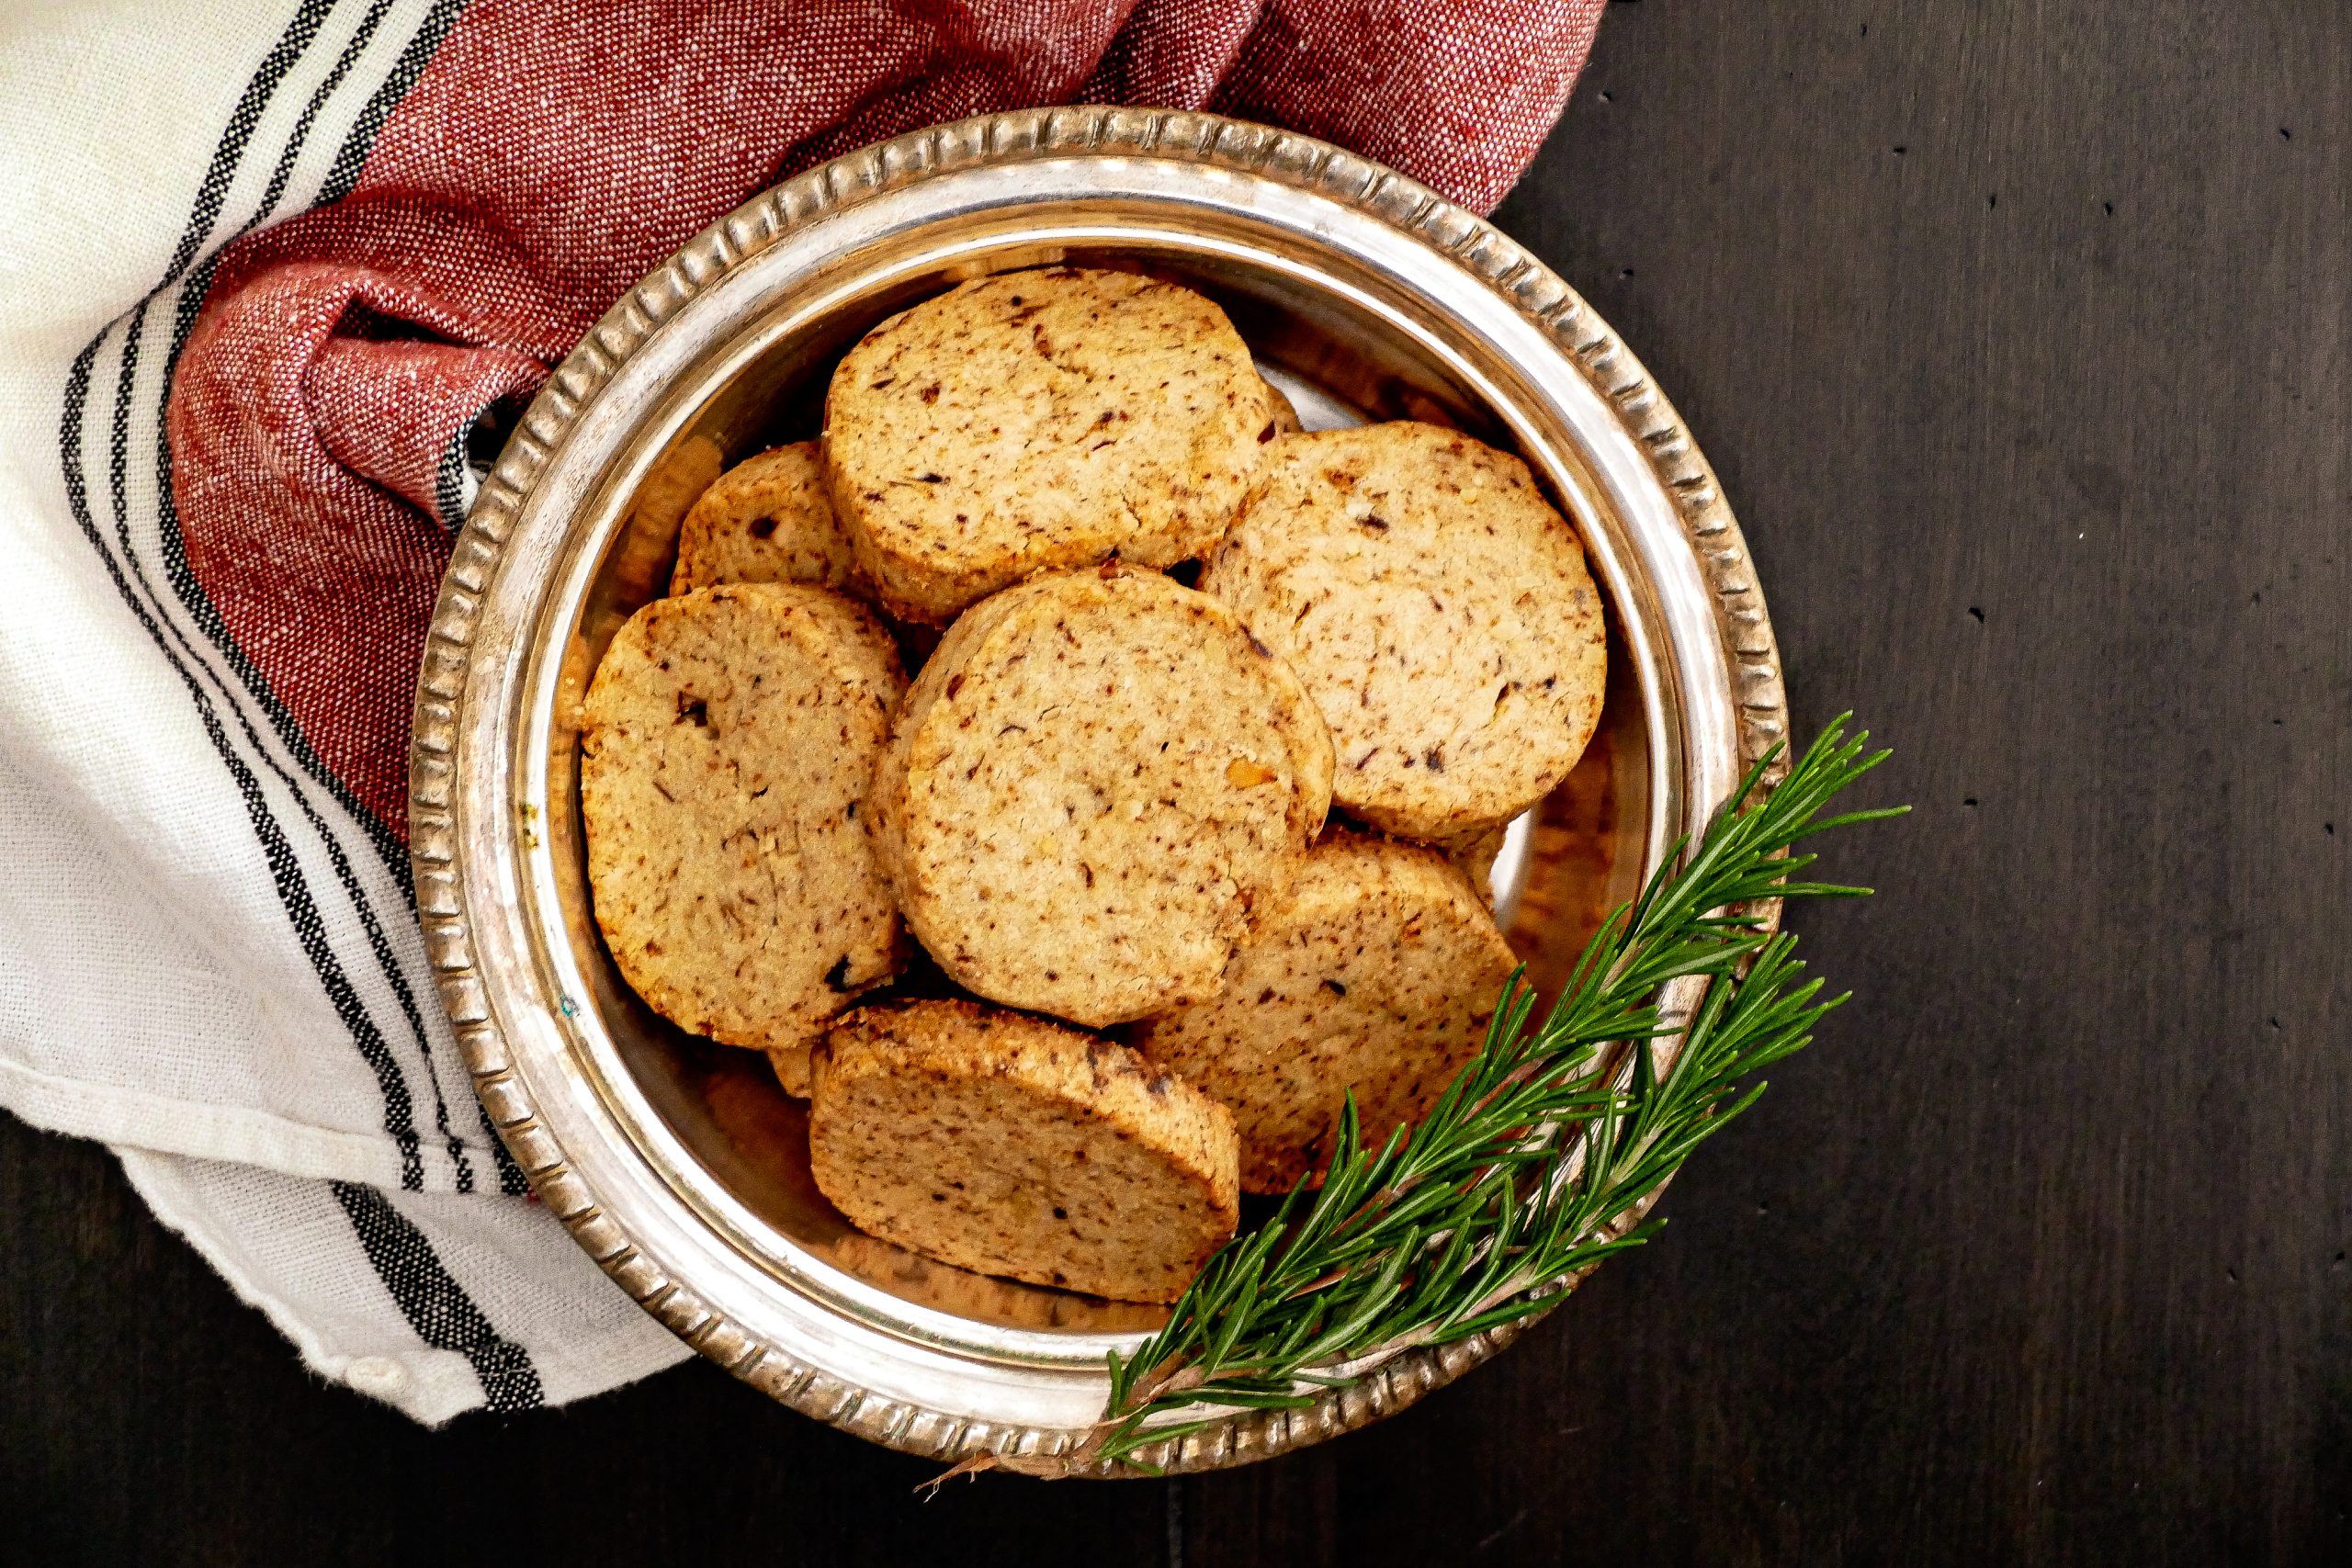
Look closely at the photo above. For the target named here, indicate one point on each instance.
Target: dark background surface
(2019, 332)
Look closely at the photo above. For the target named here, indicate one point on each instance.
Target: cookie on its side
(767, 519)
(1016, 1146)
(1475, 858)
(725, 747)
(1088, 783)
(1036, 422)
(1437, 608)
(791, 1066)
(1374, 968)
(1282, 418)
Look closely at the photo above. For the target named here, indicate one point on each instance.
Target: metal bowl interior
(744, 1140)
(688, 1152)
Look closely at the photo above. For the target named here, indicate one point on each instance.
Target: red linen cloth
(535, 159)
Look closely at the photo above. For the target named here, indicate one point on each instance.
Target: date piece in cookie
(1437, 608)
(728, 741)
(1374, 968)
(1013, 1146)
(767, 519)
(1087, 785)
(1035, 421)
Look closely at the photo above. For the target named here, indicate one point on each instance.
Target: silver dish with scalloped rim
(678, 1164)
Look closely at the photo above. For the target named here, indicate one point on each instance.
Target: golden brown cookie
(1437, 608)
(767, 519)
(1035, 421)
(1016, 1146)
(1089, 782)
(1373, 968)
(726, 747)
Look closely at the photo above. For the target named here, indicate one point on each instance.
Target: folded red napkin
(370, 220)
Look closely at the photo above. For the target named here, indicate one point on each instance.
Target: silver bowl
(678, 1164)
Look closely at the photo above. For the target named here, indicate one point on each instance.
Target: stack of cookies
(1189, 858)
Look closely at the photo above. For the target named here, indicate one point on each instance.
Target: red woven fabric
(548, 156)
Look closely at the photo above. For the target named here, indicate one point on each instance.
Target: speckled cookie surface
(1039, 421)
(1375, 968)
(767, 519)
(1437, 608)
(1090, 782)
(726, 744)
(1012, 1145)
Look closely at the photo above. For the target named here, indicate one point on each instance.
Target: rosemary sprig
(1524, 1172)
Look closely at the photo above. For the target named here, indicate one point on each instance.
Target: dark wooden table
(2021, 334)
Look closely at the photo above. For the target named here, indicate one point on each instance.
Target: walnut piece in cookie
(1013, 1146)
(1437, 608)
(1373, 968)
(726, 744)
(1092, 778)
(1035, 421)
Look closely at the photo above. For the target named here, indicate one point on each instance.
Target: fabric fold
(433, 1304)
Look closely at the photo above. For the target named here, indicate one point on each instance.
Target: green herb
(1522, 1175)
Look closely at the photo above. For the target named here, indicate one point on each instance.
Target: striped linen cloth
(265, 266)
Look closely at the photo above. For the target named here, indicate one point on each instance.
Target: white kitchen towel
(243, 1011)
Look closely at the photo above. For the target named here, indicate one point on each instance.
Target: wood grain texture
(2019, 334)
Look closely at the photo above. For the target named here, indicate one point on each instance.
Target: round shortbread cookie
(1090, 782)
(1375, 967)
(1437, 608)
(726, 744)
(1035, 421)
(1016, 1146)
(767, 519)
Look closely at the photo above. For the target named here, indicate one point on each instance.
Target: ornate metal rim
(1295, 161)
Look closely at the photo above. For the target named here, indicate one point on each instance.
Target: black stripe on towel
(412, 61)
(436, 1306)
